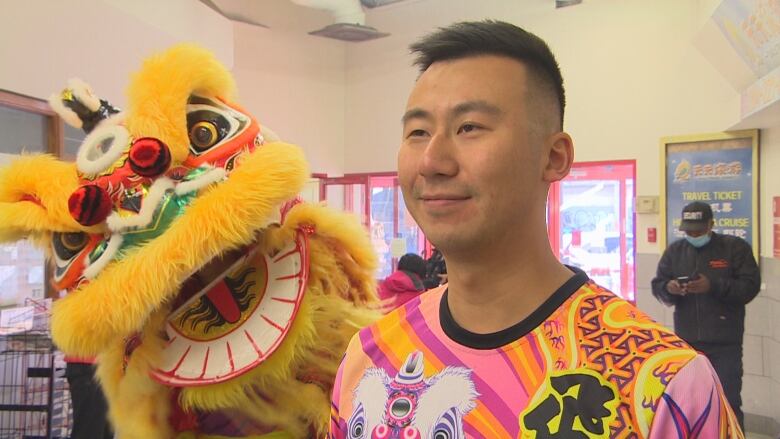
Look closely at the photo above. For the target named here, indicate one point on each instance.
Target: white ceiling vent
(349, 17)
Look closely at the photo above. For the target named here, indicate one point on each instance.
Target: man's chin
(453, 241)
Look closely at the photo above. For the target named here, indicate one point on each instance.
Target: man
(516, 344)
(709, 278)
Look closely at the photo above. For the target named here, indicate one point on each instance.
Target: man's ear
(559, 157)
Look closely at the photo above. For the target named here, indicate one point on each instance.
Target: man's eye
(416, 133)
(467, 128)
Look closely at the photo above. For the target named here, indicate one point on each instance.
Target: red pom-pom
(89, 205)
(149, 157)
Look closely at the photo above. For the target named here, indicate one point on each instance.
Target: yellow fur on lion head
(158, 93)
(31, 193)
(225, 215)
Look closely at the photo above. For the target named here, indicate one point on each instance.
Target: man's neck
(501, 286)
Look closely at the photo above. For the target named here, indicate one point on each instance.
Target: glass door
(591, 223)
(377, 199)
(345, 193)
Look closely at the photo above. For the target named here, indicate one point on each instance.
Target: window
(27, 125)
(377, 200)
(591, 223)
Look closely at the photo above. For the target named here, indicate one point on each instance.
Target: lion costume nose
(89, 205)
(149, 157)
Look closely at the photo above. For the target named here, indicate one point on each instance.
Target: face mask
(699, 241)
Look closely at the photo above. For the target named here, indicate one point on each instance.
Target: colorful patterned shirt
(585, 364)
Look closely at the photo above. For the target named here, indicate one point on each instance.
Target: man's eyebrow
(478, 106)
(460, 109)
(415, 113)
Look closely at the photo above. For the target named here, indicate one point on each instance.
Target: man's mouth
(442, 201)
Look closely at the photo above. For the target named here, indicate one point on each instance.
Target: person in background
(708, 278)
(404, 284)
(90, 409)
(435, 270)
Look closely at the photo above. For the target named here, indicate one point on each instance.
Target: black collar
(515, 332)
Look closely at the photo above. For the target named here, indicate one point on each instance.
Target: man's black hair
(412, 263)
(490, 37)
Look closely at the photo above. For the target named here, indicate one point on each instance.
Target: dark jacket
(433, 268)
(717, 316)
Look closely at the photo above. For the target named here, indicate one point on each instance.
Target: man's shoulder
(732, 241)
(624, 334)
(402, 317)
(634, 355)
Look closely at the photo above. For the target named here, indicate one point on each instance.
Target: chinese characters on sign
(718, 172)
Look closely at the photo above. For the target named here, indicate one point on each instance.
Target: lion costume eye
(211, 124)
(203, 135)
(68, 245)
(70, 251)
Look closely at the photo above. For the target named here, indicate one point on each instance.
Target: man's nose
(439, 157)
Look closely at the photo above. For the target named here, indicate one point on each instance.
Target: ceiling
(284, 14)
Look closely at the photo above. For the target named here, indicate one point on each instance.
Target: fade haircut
(490, 37)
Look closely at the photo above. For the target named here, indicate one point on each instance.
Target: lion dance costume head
(217, 305)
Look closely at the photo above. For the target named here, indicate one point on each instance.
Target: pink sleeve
(336, 430)
(693, 405)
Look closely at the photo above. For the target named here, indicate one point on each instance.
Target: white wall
(769, 182)
(43, 43)
(295, 84)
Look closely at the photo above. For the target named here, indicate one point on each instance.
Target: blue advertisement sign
(718, 172)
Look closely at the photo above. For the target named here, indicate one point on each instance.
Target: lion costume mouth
(225, 325)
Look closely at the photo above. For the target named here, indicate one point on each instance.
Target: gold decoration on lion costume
(216, 306)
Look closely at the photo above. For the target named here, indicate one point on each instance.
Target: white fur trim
(451, 388)
(214, 175)
(69, 116)
(108, 255)
(83, 92)
(91, 160)
(117, 223)
(372, 393)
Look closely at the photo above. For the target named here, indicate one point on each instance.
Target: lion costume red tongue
(158, 193)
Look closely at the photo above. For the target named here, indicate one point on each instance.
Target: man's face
(468, 165)
(697, 233)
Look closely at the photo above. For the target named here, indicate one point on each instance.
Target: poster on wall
(720, 169)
